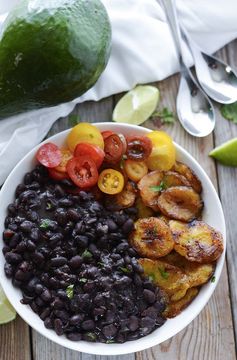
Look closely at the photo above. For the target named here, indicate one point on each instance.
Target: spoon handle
(171, 14)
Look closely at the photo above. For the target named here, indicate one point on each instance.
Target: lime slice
(137, 105)
(226, 153)
(7, 312)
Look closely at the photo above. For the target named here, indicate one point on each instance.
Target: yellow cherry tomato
(135, 169)
(111, 181)
(66, 156)
(163, 151)
(84, 133)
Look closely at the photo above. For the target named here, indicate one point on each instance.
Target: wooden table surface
(211, 336)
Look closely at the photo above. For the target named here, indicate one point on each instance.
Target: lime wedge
(7, 312)
(226, 153)
(137, 105)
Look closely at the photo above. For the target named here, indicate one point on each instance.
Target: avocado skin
(51, 51)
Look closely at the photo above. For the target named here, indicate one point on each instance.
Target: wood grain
(15, 341)
(227, 177)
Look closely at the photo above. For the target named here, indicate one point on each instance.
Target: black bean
(13, 258)
(75, 262)
(58, 326)
(76, 319)
(5, 249)
(112, 226)
(62, 294)
(39, 302)
(73, 215)
(58, 261)
(30, 246)
(45, 313)
(74, 336)
(149, 296)
(81, 241)
(109, 331)
(147, 325)
(122, 247)
(9, 270)
(48, 323)
(65, 202)
(46, 296)
(128, 226)
(133, 323)
(88, 325)
(62, 314)
(15, 239)
(39, 289)
(59, 191)
(53, 283)
(38, 257)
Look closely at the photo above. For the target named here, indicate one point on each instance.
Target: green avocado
(51, 51)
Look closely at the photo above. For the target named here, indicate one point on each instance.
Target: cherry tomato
(111, 181)
(106, 133)
(84, 133)
(114, 148)
(49, 155)
(163, 151)
(57, 175)
(82, 171)
(138, 148)
(135, 169)
(93, 151)
(66, 156)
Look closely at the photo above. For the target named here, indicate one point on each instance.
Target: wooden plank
(15, 341)
(210, 336)
(227, 176)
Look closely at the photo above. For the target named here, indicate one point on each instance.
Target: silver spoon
(215, 76)
(194, 108)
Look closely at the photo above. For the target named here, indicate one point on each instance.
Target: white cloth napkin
(142, 52)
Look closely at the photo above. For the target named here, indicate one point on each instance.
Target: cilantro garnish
(160, 187)
(164, 273)
(70, 291)
(44, 224)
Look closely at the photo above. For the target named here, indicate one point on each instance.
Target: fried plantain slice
(169, 278)
(143, 210)
(198, 274)
(180, 202)
(146, 186)
(190, 175)
(197, 241)
(151, 238)
(122, 200)
(175, 308)
(172, 178)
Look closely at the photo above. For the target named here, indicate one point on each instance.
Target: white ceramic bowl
(212, 214)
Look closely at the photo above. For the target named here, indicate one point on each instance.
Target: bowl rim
(129, 346)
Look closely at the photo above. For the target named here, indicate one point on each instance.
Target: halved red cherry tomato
(49, 155)
(93, 151)
(111, 181)
(135, 170)
(82, 171)
(114, 148)
(106, 133)
(66, 156)
(57, 175)
(138, 148)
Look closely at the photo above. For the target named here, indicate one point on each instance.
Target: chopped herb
(91, 336)
(48, 206)
(100, 264)
(83, 280)
(73, 119)
(165, 115)
(125, 270)
(44, 224)
(86, 254)
(151, 278)
(213, 279)
(164, 273)
(160, 187)
(110, 341)
(70, 291)
(229, 112)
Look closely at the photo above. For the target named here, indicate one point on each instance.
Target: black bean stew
(70, 257)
